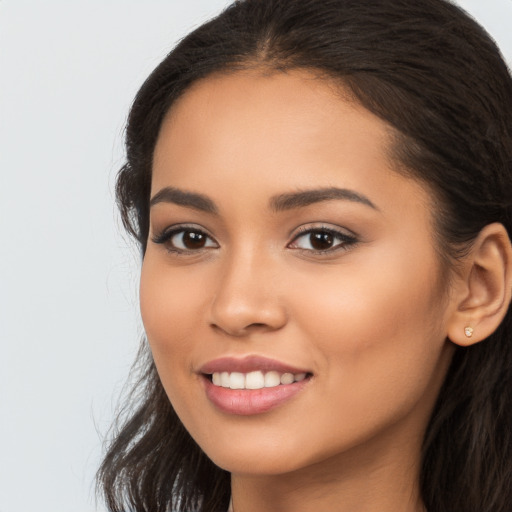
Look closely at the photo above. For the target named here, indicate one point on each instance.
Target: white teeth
(224, 379)
(287, 378)
(237, 380)
(272, 379)
(255, 380)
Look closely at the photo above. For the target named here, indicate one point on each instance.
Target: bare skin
(343, 285)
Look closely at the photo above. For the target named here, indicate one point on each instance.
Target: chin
(260, 464)
(261, 455)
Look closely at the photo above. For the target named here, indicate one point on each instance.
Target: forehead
(252, 115)
(274, 133)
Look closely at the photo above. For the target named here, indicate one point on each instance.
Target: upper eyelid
(183, 227)
(322, 226)
(171, 230)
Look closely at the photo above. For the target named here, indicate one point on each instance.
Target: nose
(247, 297)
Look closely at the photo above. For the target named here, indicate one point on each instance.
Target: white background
(69, 322)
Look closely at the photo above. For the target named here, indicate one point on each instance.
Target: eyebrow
(281, 202)
(184, 198)
(307, 197)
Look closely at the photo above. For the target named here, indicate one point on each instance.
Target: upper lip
(248, 364)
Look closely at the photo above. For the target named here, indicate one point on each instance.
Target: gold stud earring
(468, 331)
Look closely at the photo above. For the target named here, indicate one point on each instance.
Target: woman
(321, 191)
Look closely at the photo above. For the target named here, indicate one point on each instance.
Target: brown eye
(190, 240)
(193, 239)
(322, 240)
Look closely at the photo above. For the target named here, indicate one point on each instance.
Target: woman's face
(286, 256)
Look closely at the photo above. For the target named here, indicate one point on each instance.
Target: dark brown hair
(437, 78)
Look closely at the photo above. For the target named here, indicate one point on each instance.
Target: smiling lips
(252, 385)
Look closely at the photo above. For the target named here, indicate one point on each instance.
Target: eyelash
(165, 237)
(346, 240)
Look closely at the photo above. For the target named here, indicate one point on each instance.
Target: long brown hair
(435, 75)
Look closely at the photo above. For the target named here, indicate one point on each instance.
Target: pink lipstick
(251, 385)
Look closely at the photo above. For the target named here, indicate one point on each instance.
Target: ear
(482, 290)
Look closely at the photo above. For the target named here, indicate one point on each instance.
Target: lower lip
(247, 402)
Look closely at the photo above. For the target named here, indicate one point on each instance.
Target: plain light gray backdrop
(69, 321)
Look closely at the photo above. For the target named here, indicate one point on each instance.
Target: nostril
(242, 330)
(238, 314)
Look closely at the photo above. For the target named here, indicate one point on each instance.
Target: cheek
(169, 304)
(379, 299)
(378, 325)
